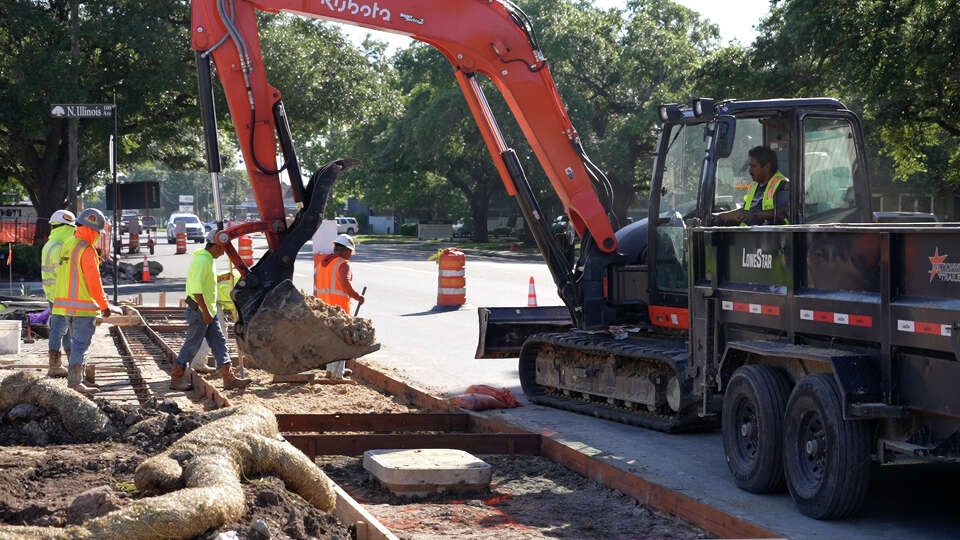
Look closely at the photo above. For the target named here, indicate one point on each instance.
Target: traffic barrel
(181, 243)
(134, 243)
(531, 294)
(245, 250)
(452, 283)
(145, 277)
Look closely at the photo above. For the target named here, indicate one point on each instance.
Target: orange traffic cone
(531, 295)
(145, 277)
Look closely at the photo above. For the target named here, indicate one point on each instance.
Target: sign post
(103, 112)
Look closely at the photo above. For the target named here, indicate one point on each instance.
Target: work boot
(230, 382)
(89, 376)
(56, 368)
(75, 381)
(180, 378)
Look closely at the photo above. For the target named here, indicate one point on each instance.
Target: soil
(285, 514)
(38, 482)
(529, 497)
(304, 398)
(352, 330)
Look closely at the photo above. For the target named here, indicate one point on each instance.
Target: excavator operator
(773, 206)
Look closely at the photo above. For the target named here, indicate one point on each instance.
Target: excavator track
(638, 381)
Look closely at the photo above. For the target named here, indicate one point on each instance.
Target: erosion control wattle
(290, 333)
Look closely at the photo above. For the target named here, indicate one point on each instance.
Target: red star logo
(935, 261)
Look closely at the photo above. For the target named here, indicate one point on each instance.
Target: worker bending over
(202, 320)
(78, 293)
(773, 205)
(62, 228)
(332, 286)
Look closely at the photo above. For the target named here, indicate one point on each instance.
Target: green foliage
(503, 231)
(26, 261)
(409, 229)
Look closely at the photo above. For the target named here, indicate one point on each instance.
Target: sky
(735, 23)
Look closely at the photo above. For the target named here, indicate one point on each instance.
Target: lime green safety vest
(768, 194)
(71, 296)
(50, 258)
(224, 287)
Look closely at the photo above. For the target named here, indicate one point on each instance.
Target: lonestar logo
(942, 270)
(758, 259)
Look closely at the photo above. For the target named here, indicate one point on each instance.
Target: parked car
(193, 225)
(125, 222)
(149, 223)
(347, 225)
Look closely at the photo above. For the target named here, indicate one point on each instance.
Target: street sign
(186, 199)
(186, 208)
(18, 212)
(80, 110)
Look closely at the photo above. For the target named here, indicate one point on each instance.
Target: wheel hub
(748, 429)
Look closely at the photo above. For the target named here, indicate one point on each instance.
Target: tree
(133, 49)
(895, 60)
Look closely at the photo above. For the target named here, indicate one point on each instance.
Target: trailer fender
(857, 374)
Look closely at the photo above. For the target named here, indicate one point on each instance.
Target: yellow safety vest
(71, 296)
(767, 203)
(50, 259)
(325, 284)
(225, 284)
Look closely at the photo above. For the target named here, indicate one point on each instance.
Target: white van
(347, 225)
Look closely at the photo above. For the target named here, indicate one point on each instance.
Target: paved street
(434, 350)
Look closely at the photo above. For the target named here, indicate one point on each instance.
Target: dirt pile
(290, 333)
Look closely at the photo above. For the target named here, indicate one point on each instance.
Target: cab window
(829, 157)
(732, 178)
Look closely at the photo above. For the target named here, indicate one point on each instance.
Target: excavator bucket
(279, 329)
(504, 329)
(290, 333)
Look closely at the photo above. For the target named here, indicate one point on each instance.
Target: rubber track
(670, 353)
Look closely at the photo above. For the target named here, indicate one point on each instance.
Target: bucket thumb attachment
(276, 267)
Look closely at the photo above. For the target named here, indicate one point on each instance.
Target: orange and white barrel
(134, 243)
(181, 243)
(452, 282)
(245, 250)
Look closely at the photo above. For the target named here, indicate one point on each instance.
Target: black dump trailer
(824, 349)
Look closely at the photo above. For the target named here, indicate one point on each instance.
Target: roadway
(434, 349)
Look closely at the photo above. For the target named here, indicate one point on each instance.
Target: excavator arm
(489, 37)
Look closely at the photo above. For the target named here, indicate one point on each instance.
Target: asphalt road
(434, 350)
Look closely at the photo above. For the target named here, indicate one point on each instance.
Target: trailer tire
(826, 458)
(754, 407)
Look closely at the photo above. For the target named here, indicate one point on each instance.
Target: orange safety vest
(71, 296)
(326, 286)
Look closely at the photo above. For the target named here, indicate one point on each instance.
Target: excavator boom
(493, 38)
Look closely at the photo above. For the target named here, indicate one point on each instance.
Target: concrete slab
(424, 471)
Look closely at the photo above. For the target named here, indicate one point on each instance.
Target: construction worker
(773, 205)
(202, 320)
(78, 293)
(332, 285)
(225, 306)
(62, 224)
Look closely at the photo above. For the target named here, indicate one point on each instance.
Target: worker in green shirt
(62, 227)
(202, 323)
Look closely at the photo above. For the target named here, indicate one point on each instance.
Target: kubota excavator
(635, 278)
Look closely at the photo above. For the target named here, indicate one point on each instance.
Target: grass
(383, 239)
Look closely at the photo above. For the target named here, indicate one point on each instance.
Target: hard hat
(93, 218)
(63, 217)
(211, 237)
(345, 241)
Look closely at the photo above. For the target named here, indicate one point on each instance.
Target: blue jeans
(81, 329)
(197, 331)
(59, 332)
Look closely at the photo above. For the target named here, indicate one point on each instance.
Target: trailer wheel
(826, 458)
(754, 406)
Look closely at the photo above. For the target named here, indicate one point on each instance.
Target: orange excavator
(490, 38)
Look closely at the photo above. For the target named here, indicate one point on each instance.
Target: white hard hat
(63, 217)
(345, 241)
(211, 236)
(93, 218)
